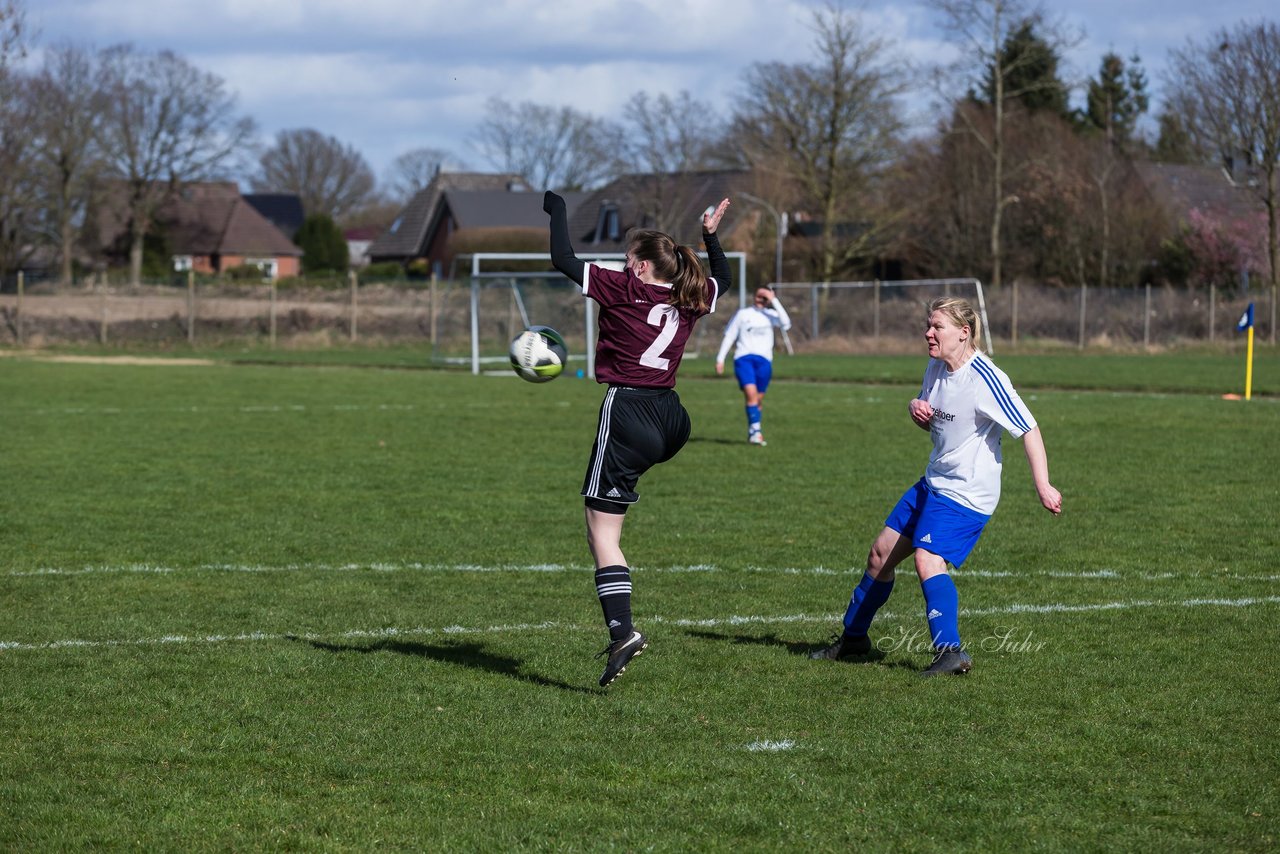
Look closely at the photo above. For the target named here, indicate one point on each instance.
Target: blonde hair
(961, 313)
(674, 263)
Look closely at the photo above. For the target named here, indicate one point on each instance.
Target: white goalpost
(481, 277)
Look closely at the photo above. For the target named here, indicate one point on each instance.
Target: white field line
(250, 409)
(161, 569)
(714, 622)
(770, 746)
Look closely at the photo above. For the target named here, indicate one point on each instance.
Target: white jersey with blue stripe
(972, 407)
(750, 332)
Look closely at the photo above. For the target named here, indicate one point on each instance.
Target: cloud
(390, 75)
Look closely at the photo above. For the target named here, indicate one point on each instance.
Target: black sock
(613, 586)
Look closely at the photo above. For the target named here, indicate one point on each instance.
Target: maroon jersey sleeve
(642, 336)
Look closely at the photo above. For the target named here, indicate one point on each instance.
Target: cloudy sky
(387, 76)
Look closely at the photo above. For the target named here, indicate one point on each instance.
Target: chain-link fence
(876, 316)
(457, 321)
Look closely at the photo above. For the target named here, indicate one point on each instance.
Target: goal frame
(478, 275)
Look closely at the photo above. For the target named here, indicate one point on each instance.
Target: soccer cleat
(757, 439)
(843, 647)
(949, 662)
(620, 654)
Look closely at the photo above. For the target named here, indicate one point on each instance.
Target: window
(608, 224)
(266, 265)
(182, 263)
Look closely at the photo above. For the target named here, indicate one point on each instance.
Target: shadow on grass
(466, 654)
(800, 648)
(710, 440)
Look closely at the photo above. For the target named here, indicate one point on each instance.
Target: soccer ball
(538, 354)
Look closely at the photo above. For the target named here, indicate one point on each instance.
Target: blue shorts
(753, 370)
(937, 523)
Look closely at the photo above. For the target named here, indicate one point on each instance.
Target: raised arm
(1033, 445)
(562, 255)
(783, 320)
(720, 270)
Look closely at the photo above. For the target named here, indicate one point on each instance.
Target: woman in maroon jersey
(647, 312)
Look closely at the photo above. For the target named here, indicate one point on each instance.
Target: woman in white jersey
(750, 333)
(966, 403)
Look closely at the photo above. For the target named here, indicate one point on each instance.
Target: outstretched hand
(711, 218)
(550, 201)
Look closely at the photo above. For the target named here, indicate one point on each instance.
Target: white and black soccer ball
(538, 354)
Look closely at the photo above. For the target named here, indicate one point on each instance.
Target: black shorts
(638, 428)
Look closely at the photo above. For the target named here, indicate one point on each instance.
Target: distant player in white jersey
(750, 333)
(966, 403)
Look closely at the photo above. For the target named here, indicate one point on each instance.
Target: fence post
(102, 327)
(1013, 325)
(1084, 291)
(351, 274)
(19, 318)
(512, 313)
(272, 316)
(1146, 319)
(877, 314)
(1273, 312)
(1213, 305)
(191, 306)
(813, 310)
(431, 309)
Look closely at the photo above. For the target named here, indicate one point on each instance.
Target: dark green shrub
(324, 249)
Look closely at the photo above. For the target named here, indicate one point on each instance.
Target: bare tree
(941, 185)
(13, 34)
(71, 107)
(982, 29)
(828, 128)
(19, 197)
(666, 138)
(551, 148)
(411, 172)
(1227, 90)
(17, 190)
(165, 123)
(329, 176)
(666, 134)
(1115, 101)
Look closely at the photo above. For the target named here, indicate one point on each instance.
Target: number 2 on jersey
(667, 319)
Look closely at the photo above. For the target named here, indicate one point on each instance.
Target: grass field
(343, 608)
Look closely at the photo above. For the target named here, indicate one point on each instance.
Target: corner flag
(1246, 319)
(1245, 324)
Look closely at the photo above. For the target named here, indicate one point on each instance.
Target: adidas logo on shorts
(613, 493)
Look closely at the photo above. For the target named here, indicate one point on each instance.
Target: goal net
(501, 294)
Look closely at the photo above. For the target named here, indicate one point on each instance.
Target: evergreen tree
(1116, 99)
(1174, 144)
(323, 246)
(1030, 72)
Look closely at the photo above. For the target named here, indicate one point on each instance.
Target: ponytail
(675, 263)
(689, 285)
